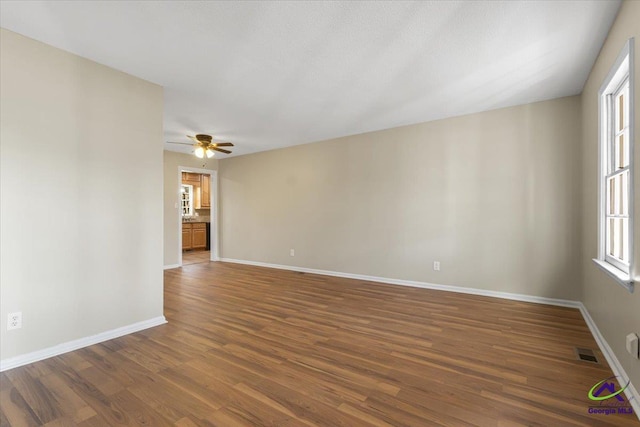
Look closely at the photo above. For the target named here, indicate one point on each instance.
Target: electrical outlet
(14, 320)
(436, 265)
(292, 252)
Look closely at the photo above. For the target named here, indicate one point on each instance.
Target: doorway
(197, 215)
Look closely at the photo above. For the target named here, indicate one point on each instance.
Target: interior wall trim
(25, 359)
(631, 393)
(415, 284)
(170, 266)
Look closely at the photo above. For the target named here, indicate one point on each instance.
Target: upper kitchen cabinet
(191, 178)
(201, 189)
(205, 191)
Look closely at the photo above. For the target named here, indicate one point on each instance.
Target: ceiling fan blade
(193, 138)
(223, 144)
(181, 143)
(220, 150)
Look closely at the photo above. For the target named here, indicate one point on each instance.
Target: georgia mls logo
(611, 400)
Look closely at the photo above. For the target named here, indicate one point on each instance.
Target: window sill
(620, 277)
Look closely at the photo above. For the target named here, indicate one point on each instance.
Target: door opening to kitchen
(197, 215)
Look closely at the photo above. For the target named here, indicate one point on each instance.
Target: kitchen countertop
(196, 219)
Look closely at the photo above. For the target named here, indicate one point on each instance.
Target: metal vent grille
(586, 355)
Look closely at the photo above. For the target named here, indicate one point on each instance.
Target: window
(186, 199)
(617, 180)
(615, 252)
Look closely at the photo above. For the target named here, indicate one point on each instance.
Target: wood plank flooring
(250, 346)
(195, 257)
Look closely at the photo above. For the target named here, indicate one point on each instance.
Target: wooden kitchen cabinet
(205, 190)
(194, 235)
(199, 235)
(201, 189)
(191, 178)
(187, 236)
(197, 199)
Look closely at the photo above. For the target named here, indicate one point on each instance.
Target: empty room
(319, 213)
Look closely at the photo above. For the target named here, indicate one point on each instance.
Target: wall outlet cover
(632, 345)
(14, 320)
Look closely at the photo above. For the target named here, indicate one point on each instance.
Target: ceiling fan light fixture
(203, 145)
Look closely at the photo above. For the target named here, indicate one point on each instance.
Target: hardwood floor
(250, 346)
(195, 257)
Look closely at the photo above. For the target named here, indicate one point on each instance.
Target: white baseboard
(632, 394)
(56, 350)
(416, 284)
(616, 367)
(171, 266)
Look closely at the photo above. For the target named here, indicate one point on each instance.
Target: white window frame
(621, 72)
(188, 190)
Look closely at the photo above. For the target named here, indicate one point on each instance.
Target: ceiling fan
(204, 145)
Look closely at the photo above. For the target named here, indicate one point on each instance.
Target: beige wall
(492, 196)
(172, 161)
(81, 202)
(615, 311)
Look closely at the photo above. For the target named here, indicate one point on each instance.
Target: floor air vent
(586, 355)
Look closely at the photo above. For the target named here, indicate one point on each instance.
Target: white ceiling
(272, 74)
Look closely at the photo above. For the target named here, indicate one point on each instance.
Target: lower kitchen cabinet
(187, 233)
(194, 235)
(199, 236)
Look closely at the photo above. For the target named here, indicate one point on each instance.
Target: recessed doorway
(197, 215)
